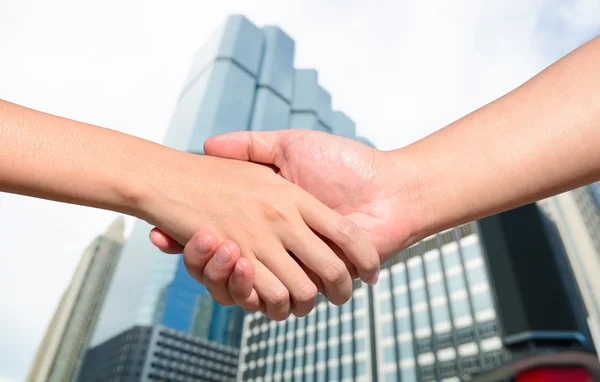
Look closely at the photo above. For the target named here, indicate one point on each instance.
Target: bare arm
(50, 157)
(539, 140)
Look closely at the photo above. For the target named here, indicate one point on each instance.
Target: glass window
(403, 324)
(322, 375)
(321, 355)
(389, 355)
(476, 275)
(418, 295)
(482, 301)
(309, 376)
(415, 272)
(384, 284)
(391, 376)
(433, 265)
(334, 351)
(346, 327)
(359, 323)
(333, 373)
(279, 366)
(471, 251)
(436, 289)
(360, 345)
(451, 259)
(310, 338)
(399, 278)
(408, 374)
(359, 302)
(401, 300)
(456, 282)
(440, 313)
(385, 305)
(361, 368)
(387, 329)
(421, 319)
(322, 335)
(460, 308)
(334, 331)
(406, 349)
(346, 370)
(347, 348)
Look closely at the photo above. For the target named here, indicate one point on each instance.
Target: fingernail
(238, 271)
(372, 279)
(223, 255)
(202, 246)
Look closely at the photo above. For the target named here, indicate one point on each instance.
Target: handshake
(312, 212)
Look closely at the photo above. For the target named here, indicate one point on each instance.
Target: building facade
(157, 353)
(59, 355)
(437, 313)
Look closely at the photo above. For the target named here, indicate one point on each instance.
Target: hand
(348, 176)
(267, 217)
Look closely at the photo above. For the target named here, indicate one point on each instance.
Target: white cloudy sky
(401, 69)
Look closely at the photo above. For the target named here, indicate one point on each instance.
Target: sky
(400, 69)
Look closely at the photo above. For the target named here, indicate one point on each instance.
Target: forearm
(54, 158)
(539, 140)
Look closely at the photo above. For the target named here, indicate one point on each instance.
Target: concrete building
(455, 306)
(157, 353)
(59, 355)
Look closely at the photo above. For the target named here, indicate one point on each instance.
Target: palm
(342, 174)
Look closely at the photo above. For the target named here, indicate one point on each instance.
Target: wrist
(403, 171)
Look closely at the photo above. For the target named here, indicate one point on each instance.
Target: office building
(468, 302)
(59, 355)
(577, 215)
(157, 353)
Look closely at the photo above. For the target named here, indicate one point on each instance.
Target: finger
(219, 269)
(197, 252)
(272, 291)
(346, 235)
(317, 256)
(302, 291)
(261, 147)
(164, 242)
(241, 287)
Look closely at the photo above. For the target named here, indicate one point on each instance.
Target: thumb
(260, 147)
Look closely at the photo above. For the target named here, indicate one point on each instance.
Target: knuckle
(306, 293)
(335, 272)
(276, 212)
(348, 232)
(278, 297)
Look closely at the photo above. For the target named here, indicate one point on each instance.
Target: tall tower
(59, 355)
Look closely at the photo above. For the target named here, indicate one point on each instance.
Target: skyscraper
(242, 79)
(59, 355)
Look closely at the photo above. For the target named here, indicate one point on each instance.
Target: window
(440, 314)
(436, 289)
(471, 251)
(347, 348)
(346, 327)
(415, 272)
(385, 306)
(361, 368)
(399, 277)
(403, 324)
(451, 259)
(476, 275)
(360, 345)
(421, 319)
(359, 302)
(482, 301)
(406, 350)
(401, 300)
(408, 374)
(460, 308)
(456, 282)
(383, 284)
(418, 295)
(334, 351)
(387, 329)
(389, 355)
(359, 323)
(321, 355)
(433, 265)
(334, 331)
(391, 376)
(347, 370)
